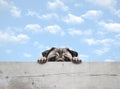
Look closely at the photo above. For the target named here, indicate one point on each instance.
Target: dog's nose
(60, 59)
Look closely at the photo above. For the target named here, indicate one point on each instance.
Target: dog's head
(59, 54)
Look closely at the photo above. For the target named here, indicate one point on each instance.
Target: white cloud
(9, 37)
(77, 32)
(70, 18)
(92, 41)
(108, 4)
(102, 51)
(27, 55)
(53, 29)
(111, 27)
(32, 13)
(49, 16)
(40, 46)
(74, 32)
(109, 60)
(33, 27)
(16, 12)
(104, 42)
(4, 3)
(92, 14)
(105, 3)
(87, 32)
(101, 33)
(43, 16)
(77, 5)
(19, 37)
(57, 4)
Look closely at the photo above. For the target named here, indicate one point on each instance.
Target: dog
(59, 54)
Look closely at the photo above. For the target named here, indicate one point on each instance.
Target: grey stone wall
(59, 75)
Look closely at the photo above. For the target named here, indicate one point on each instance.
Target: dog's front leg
(42, 60)
(76, 60)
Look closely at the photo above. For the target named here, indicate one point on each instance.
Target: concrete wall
(59, 75)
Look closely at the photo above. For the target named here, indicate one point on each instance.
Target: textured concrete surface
(59, 75)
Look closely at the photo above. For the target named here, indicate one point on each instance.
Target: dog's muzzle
(60, 60)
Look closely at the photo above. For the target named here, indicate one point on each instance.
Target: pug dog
(59, 55)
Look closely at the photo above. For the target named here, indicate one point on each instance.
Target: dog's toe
(76, 60)
(42, 60)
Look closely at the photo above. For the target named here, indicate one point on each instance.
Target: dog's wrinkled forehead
(56, 49)
(64, 49)
(61, 50)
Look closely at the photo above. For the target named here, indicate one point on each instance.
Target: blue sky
(90, 27)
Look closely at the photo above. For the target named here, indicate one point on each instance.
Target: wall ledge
(59, 75)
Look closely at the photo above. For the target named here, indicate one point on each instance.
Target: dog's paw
(76, 60)
(42, 60)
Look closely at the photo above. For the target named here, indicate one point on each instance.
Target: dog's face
(62, 54)
(59, 54)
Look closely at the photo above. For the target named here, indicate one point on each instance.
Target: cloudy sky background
(90, 27)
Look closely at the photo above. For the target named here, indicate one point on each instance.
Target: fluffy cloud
(33, 27)
(92, 41)
(102, 51)
(41, 46)
(111, 27)
(87, 32)
(4, 3)
(57, 4)
(9, 37)
(53, 29)
(77, 32)
(104, 42)
(14, 10)
(49, 16)
(77, 5)
(106, 3)
(43, 16)
(74, 32)
(32, 13)
(70, 18)
(92, 14)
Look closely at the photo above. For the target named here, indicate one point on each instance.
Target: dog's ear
(73, 53)
(45, 53)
